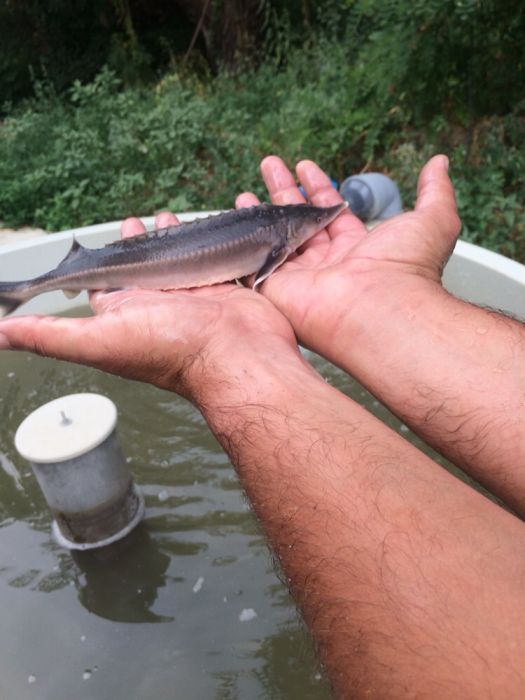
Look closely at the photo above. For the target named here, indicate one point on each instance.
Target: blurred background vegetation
(120, 107)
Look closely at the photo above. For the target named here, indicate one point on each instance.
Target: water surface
(188, 606)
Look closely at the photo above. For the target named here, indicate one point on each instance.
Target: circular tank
(189, 604)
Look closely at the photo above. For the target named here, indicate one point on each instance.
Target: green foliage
(384, 94)
(491, 192)
(464, 58)
(488, 171)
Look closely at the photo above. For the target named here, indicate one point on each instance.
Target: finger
(75, 339)
(322, 193)
(108, 300)
(283, 190)
(131, 227)
(246, 199)
(436, 197)
(165, 219)
(280, 182)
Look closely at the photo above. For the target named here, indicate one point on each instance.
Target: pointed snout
(315, 219)
(331, 213)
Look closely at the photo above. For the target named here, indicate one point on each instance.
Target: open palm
(338, 265)
(155, 336)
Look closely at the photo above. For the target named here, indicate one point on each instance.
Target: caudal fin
(8, 303)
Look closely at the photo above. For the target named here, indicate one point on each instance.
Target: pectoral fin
(276, 257)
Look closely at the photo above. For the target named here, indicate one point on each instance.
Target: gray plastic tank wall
(486, 278)
(473, 273)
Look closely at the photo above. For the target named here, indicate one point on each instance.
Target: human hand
(321, 290)
(176, 340)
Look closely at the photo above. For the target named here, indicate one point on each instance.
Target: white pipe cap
(66, 428)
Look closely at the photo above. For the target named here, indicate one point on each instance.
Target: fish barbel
(219, 248)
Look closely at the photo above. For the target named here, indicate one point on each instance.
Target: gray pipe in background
(371, 196)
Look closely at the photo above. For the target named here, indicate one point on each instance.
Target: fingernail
(446, 162)
(4, 343)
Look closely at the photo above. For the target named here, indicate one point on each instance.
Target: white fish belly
(184, 274)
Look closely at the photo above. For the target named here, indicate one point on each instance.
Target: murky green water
(158, 615)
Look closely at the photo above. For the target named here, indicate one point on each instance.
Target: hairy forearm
(453, 372)
(382, 549)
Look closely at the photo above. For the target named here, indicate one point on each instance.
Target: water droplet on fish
(404, 428)
(31, 678)
(87, 674)
(83, 638)
(163, 495)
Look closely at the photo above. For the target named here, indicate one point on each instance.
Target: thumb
(436, 198)
(80, 340)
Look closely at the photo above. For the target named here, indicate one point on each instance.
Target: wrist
(370, 304)
(384, 305)
(235, 371)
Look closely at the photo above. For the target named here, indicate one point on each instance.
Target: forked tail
(11, 296)
(9, 304)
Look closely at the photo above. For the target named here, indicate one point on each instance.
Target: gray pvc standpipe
(372, 196)
(74, 451)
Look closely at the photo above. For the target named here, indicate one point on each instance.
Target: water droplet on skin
(481, 330)
(247, 614)
(198, 584)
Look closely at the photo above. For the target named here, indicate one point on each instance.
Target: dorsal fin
(76, 249)
(75, 245)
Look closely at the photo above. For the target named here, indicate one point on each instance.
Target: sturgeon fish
(219, 248)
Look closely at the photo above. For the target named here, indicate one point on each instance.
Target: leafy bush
(104, 152)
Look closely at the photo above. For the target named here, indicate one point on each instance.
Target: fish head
(305, 221)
